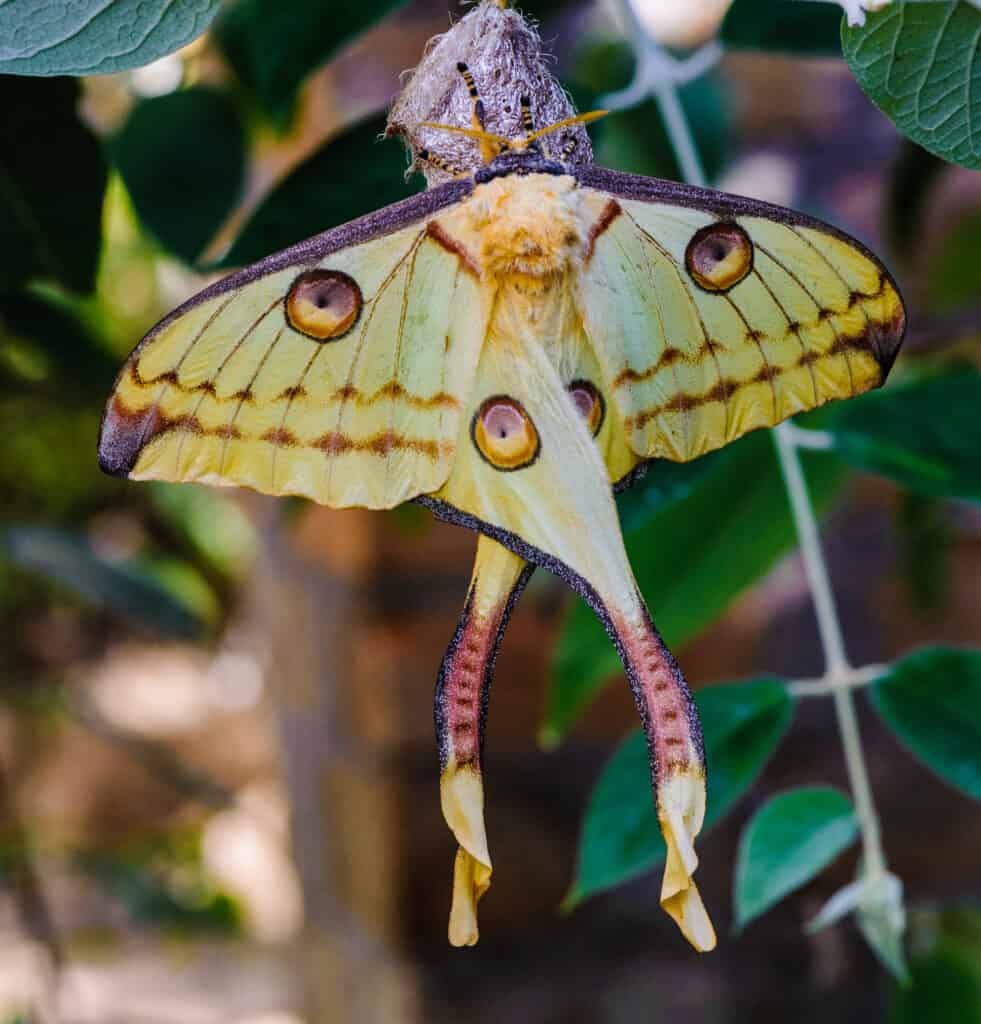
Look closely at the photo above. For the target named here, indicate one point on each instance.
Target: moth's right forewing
(253, 383)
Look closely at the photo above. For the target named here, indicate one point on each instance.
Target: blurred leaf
(636, 140)
(163, 883)
(71, 358)
(943, 988)
(182, 158)
(89, 37)
(219, 531)
(791, 838)
(52, 178)
(691, 558)
(913, 175)
(663, 483)
(925, 537)
(932, 701)
(955, 272)
(274, 44)
(48, 457)
(742, 724)
(916, 62)
(926, 435)
(127, 592)
(945, 970)
(800, 27)
(352, 175)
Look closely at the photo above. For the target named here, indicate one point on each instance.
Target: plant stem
(836, 661)
(837, 668)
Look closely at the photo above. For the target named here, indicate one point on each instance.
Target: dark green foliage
(274, 44)
(801, 27)
(350, 176)
(926, 436)
(52, 177)
(932, 701)
(70, 361)
(620, 838)
(182, 157)
(128, 591)
(945, 970)
(163, 883)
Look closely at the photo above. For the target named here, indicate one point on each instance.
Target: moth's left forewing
(809, 316)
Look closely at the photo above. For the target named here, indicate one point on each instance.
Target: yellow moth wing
(810, 316)
(245, 386)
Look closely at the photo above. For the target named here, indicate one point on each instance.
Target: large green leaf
(918, 63)
(932, 702)
(127, 591)
(350, 176)
(274, 44)
(182, 157)
(52, 178)
(691, 558)
(927, 435)
(800, 27)
(791, 838)
(620, 839)
(89, 37)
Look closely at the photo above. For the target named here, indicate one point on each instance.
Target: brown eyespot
(504, 434)
(323, 304)
(719, 256)
(590, 404)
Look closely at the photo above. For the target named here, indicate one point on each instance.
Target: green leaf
(52, 179)
(182, 158)
(917, 62)
(350, 176)
(932, 701)
(800, 27)
(90, 37)
(274, 44)
(663, 483)
(788, 841)
(126, 591)
(691, 558)
(945, 970)
(73, 363)
(742, 724)
(926, 436)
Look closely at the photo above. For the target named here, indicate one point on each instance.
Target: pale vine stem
(840, 678)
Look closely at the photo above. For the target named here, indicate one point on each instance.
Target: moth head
(503, 55)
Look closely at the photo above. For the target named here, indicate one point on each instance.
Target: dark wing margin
(120, 443)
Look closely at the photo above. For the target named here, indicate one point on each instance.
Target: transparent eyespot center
(504, 434)
(719, 256)
(323, 304)
(590, 404)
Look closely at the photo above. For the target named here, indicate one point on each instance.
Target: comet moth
(508, 348)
